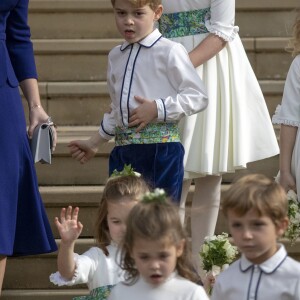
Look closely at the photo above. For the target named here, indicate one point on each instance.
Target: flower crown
(158, 195)
(127, 171)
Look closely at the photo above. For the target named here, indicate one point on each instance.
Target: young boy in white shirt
(256, 210)
(152, 85)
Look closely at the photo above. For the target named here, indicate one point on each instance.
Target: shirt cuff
(161, 110)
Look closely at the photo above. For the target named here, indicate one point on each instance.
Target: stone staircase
(71, 40)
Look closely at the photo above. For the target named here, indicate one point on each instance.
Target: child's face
(135, 23)
(117, 214)
(156, 260)
(255, 236)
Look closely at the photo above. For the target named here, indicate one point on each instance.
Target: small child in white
(256, 209)
(155, 257)
(98, 266)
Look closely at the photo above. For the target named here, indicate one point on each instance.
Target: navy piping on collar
(123, 86)
(260, 275)
(152, 44)
(276, 266)
(250, 266)
(142, 45)
(105, 130)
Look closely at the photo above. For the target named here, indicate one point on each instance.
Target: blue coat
(16, 50)
(24, 226)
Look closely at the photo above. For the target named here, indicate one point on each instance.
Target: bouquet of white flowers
(293, 230)
(216, 254)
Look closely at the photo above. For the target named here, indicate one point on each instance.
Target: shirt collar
(147, 42)
(270, 265)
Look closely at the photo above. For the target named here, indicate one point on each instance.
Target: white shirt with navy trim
(154, 68)
(278, 278)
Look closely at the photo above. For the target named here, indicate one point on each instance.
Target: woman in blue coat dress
(24, 227)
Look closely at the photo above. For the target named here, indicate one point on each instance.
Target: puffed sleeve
(222, 19)
(288, 113)
(85, 266)
(18, 42)
(191, 96)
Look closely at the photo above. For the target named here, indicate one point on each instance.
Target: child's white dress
(288, 113)
(174, 288)
(236, 127)
(100, 272)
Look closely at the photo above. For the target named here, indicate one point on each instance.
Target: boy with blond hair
(256, 210)
(152, 85)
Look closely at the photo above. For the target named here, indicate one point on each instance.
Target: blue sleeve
(18, 42)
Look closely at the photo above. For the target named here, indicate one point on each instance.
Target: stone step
(32, 272)
(39, 294)
(87, 198)
(20, 274)
(95, 171)
(86, 60)
(94, 18)
(84, 103)
(70, 171)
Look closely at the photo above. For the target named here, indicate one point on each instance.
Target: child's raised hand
(145, 113)
(69, 227)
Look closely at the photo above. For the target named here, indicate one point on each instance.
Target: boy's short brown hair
(139, 3)
(258, 192)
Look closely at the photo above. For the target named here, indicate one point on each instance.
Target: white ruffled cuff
(277, 119)
(57, 279)
(227, 33)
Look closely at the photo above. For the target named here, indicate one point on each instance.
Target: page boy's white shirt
(156, 69)
(278, 278)
(174, 288)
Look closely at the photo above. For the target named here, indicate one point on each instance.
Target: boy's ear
(158, 12)
(282, 226)
(180, 248)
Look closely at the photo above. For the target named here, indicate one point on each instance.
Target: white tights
(204, 211)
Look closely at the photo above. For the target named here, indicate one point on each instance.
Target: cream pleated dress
(236, 127)
(288, 113)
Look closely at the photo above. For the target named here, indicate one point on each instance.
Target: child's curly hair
(155, 221)
(294, 42)
(129, 188)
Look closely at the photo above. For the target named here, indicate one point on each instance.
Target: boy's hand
(68, 227)
(144, 114)
(83, 151)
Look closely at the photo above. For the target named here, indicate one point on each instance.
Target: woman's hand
(37, 115)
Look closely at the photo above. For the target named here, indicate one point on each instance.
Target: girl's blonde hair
(155, 221)
(139, 3)
(294, 42)
(258, 192)
(120, 188)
